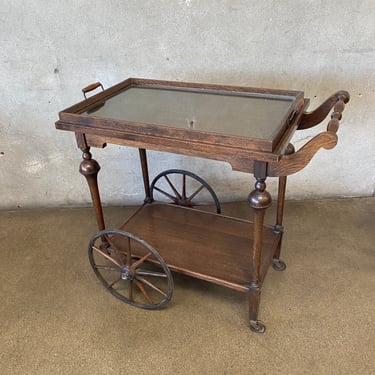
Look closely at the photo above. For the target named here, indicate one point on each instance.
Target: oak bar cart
(248, 128)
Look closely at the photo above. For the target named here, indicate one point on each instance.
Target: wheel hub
(184, 202)
(127, 274)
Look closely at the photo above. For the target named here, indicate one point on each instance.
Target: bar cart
(246, 127)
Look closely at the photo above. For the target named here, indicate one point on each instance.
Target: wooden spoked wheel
(182, 188)
(130, 269)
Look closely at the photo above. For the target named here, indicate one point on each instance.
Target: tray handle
(292, 163)
(337, 100)
(91, 87)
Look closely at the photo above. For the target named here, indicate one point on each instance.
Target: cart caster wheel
(130, 269)
(278, 265)
(174, 184)
(257, 326)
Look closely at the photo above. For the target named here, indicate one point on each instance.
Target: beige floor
(57, 319)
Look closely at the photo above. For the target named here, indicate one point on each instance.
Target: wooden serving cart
(248, 128)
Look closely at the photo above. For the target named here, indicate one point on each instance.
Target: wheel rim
(184, 188)
(130, 269)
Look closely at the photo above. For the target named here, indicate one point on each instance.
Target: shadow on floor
(57, 318)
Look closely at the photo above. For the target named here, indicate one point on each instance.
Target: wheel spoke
(115, 249)
(108, 268)
(150, 273)
(130, 290)
(152, 286)
(129, 255)
(178, 195)
(139, 261)
(143, 290)
(114, 282)
(174, 199)
(183, 186)
(101, 252)
(192, 196)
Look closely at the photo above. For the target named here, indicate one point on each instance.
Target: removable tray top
(243, 117)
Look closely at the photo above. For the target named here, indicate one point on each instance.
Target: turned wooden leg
(278, 264)
(259, 200)
(90, 168)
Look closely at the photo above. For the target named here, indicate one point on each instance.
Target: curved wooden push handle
(91, 87)
(338, 100)
(338, 109)
(292, 163)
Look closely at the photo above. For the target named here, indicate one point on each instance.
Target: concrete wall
(50, 49)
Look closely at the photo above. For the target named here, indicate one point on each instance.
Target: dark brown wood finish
(211, 247)
(292, 163)
(145, 174)
(91, 87)
(277, 263)
(90, 169)
(226, 251)
(260, 200)
(237, 151)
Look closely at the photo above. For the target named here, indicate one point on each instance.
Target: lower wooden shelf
(207, 246)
